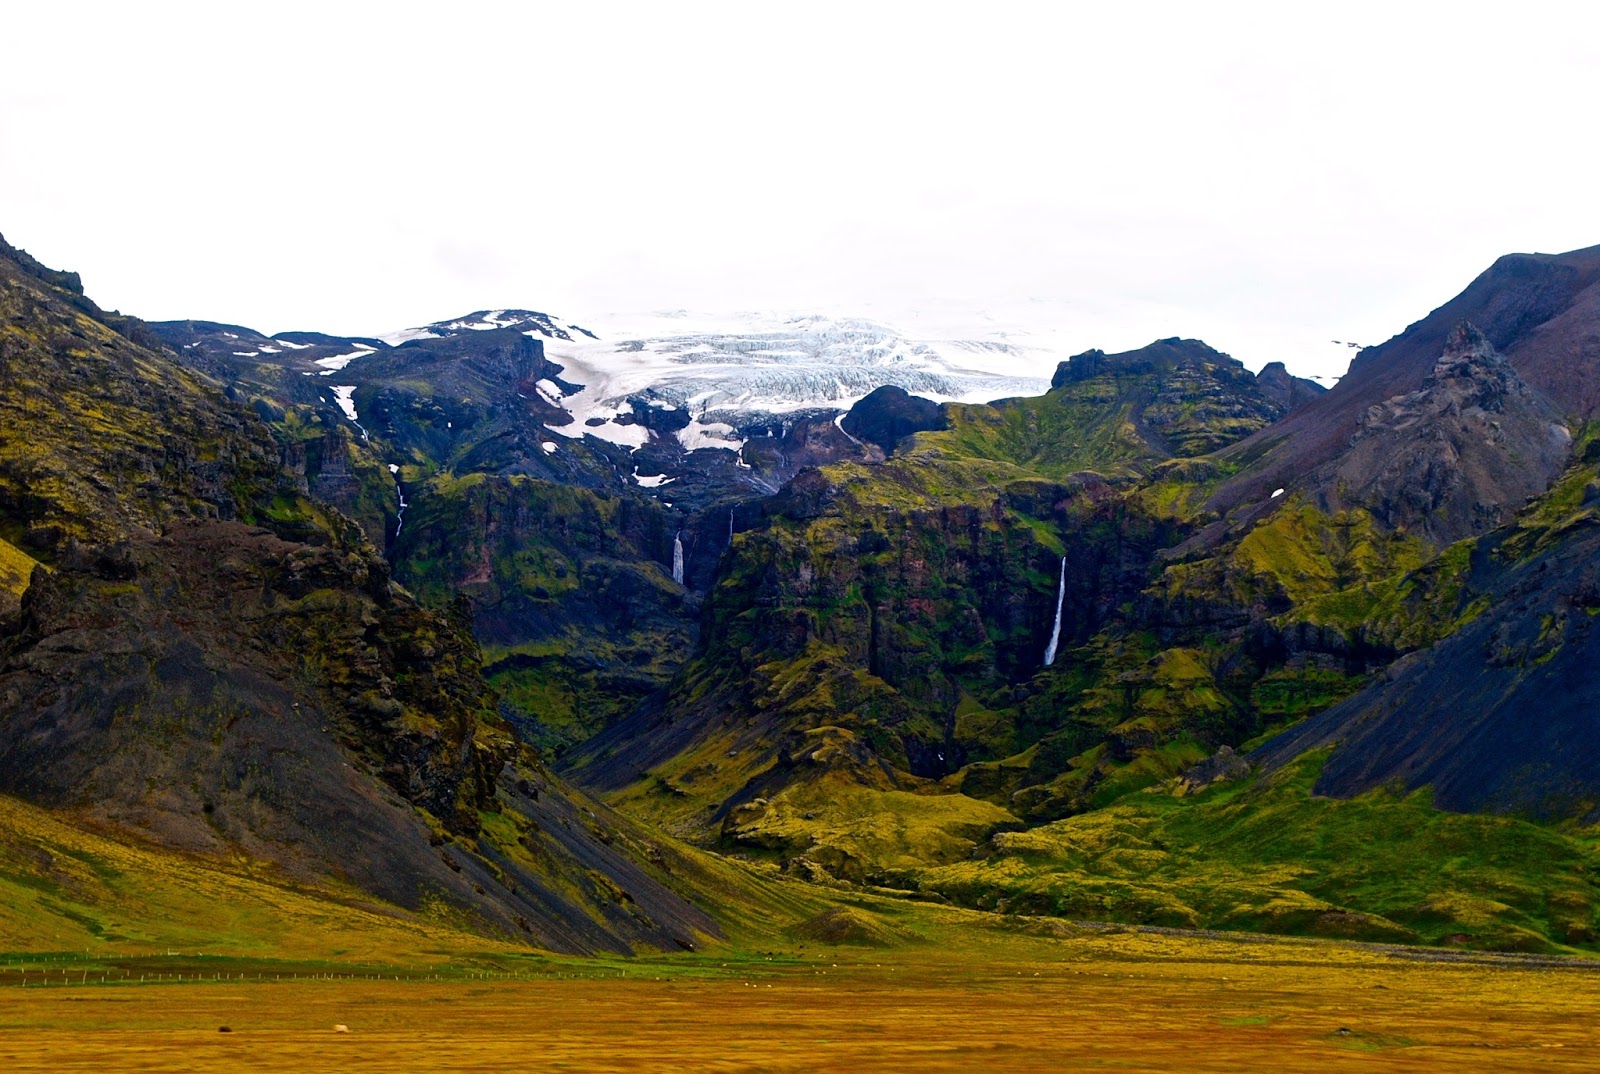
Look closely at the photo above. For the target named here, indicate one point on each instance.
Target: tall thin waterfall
(400, 516)
(1055, 631)
(730, 529)
(677, 557)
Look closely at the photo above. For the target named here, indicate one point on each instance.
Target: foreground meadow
(1007, 1000)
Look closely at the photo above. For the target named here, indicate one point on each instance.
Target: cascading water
(1055, 631)
(399, 490)
(345, 396)
(677, 557)
(730, 529)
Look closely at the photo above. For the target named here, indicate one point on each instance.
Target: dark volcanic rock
(1542, 311)
(1221, 766)
(889, 414)
(121, 699)
(1161, 356)
(1500, 715)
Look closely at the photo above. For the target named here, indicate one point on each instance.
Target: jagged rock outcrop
(1541, 311)
(1455, 457)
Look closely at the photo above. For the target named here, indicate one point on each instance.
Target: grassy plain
(978, 992)
(131, 958)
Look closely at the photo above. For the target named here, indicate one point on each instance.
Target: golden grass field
(1002, 1001)
(95, 934)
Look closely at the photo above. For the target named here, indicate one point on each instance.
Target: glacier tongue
(730, 368)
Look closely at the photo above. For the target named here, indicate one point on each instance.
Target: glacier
(727, 371)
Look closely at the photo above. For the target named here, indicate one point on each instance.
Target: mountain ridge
(937, 647)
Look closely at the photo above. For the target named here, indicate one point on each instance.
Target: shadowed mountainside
(1499, 716)
(206, 658)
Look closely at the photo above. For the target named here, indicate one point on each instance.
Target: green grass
(1268, 855)
(65, 888)
(858, 832)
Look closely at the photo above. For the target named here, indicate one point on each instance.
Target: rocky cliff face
(165, 698)
(570, 589)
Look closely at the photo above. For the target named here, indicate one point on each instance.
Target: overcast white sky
(1267, 177)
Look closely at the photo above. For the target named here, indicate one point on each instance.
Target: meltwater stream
(399, 490)
(677, 557)
(345, 396)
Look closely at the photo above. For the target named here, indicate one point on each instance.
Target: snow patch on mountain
(713, 434)
(335, 362)
(531, 323)
(651, 481)
(344, 395)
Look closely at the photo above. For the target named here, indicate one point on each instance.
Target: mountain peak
(529, 322)
(1159, 356)
(1466, 340)
(1286, 389)
(1468, 353)
(1471, 371)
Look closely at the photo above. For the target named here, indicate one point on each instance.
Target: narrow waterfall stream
(345, 396)
(399, 490)
(677, 557)
(1055, 631)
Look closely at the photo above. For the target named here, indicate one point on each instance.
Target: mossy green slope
(908, 605)
(578, 617)
(1118, 414)
(99, 436)
(897, 614)
(1267, 855)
